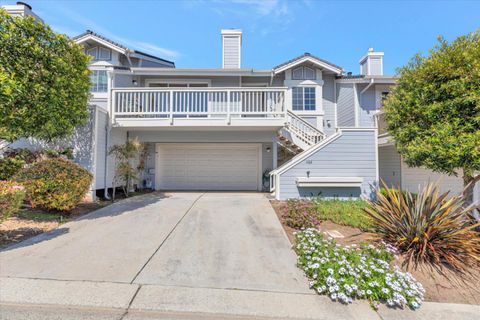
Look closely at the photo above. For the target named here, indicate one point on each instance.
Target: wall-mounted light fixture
(134, 82)
(268, 149)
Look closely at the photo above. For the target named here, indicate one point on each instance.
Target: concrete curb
(134, 301)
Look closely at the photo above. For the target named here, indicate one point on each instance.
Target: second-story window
(303, 73)
(99, 81)
(99, 53)
(303, 98)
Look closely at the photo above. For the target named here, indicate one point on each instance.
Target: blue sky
(274, 31)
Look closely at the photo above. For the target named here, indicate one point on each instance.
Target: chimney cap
(20, 3)
(232, 31)
(370, 49)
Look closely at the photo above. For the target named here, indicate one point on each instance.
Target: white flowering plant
(352, 272)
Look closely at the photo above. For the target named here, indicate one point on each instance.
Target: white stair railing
(300, 129)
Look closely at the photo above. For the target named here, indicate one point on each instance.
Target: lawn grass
(40, 215)
(344, 212)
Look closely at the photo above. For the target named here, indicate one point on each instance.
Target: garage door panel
(208, 166)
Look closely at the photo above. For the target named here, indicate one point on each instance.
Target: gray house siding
(376, 66)
(389, 165)
(328, 102)
(345, 105)
(353, 154)
(231, 52)
(367, 106)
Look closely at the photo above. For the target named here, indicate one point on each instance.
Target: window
(100, 53)
(99, 81)
(308, 73)
(297, 74)
(303, 98)
(384, 97)
(177, 85)
(93, 52)
(104, 54)
(303, 73)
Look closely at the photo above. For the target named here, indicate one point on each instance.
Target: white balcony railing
(228, 103)
(303, 130)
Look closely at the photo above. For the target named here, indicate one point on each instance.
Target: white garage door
(206, 166)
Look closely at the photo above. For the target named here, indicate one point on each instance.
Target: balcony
(193, 107)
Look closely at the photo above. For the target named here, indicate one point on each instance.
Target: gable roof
(89, 34)
(310, 58)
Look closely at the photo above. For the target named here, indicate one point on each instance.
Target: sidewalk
(36, 299)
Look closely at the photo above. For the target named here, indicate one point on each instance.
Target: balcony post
(170, 105)
(229, 116)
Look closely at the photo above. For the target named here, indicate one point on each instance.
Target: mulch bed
(22, 226)
(438, 288)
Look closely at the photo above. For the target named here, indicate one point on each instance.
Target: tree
(433, 112)
(124, 155)
(44, 81)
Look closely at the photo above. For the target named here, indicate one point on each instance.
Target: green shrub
(55, 183)
(428, 228)
(11, 198)
(344, 212)
(301, 214)
(9, 167)
(352, 272)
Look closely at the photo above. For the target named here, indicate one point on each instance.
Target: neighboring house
(302, 128)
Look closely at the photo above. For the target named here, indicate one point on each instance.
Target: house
(301, 128)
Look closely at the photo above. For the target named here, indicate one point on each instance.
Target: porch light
(268, 149)
(134, 82)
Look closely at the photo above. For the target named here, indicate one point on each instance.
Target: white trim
(335, 103)
(372, 53)
(275, 153)
(200, 72)
(259, 166)
(101, 41)
(329, 181)
(309, 59)
(366, 79)
(149, 81)
(95, 155)
(356, 104)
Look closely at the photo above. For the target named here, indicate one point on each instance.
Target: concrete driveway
(174, 256)
(206, 240)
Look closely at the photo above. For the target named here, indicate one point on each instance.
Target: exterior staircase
(298, 135)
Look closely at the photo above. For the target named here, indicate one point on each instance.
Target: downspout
(127, 54)
(372, 81)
